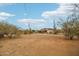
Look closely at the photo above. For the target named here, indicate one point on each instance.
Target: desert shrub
(71, 29)
(71, 25)
(28, 31)
(5, 27)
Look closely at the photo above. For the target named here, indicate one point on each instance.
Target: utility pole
(29, 27)
(28, 24)
(54, 26)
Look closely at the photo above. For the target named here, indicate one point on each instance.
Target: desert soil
(39, 45)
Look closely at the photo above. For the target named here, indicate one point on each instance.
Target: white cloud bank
(31, 21)
(63, 10)
(6, 4)
(5, 15)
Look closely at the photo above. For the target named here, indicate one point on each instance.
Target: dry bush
(71, 25)
(8, 29)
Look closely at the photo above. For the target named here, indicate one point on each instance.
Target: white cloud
(4, 15)
(31, 21)
(63, 10)
(3, 18)
(6, 4)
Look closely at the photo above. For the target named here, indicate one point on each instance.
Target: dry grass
(39, 44)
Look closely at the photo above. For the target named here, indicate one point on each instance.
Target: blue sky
(26, 11)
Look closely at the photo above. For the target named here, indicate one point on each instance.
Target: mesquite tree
(71, 26)
(8, 28)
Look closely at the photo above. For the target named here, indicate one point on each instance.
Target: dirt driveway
(39, 44)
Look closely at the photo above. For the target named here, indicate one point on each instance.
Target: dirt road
(39, 44)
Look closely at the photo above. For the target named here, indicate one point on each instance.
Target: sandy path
(39, 44)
